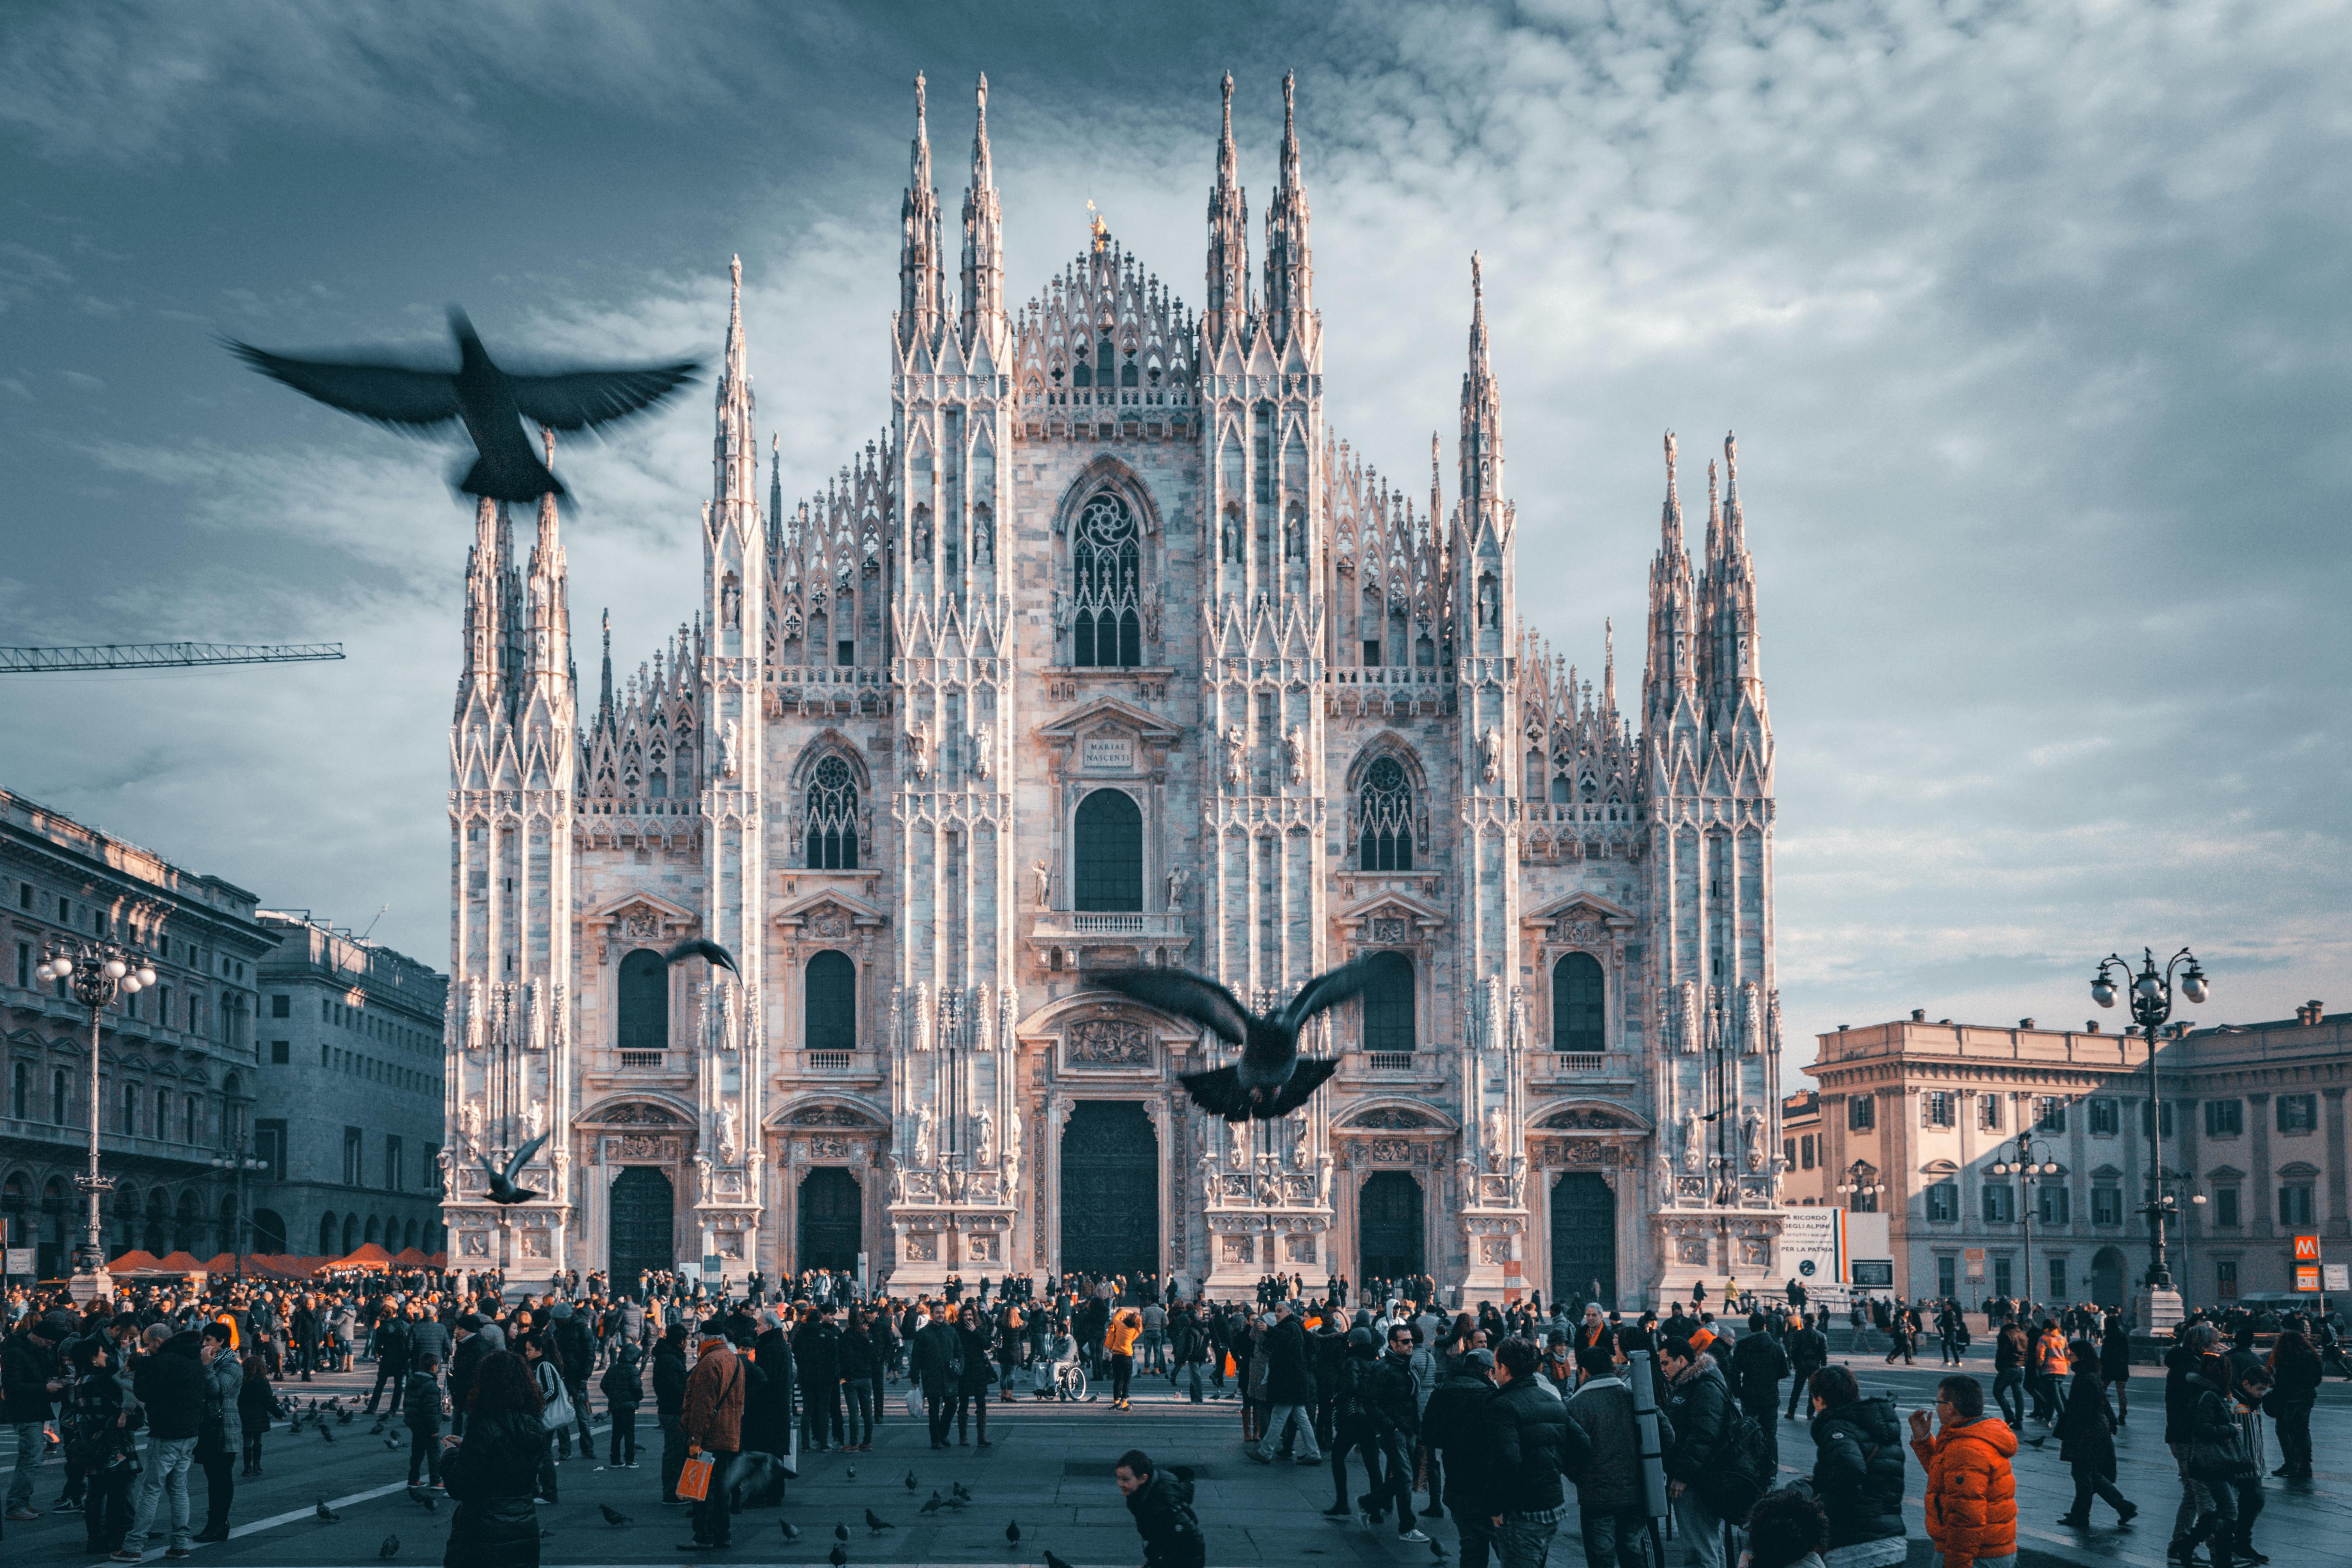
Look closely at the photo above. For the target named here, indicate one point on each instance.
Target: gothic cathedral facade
(1109, 651)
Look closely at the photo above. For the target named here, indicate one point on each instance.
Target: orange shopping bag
(694, 1478)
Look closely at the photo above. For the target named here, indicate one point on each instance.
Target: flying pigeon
(502, 1182)
(703, 947)
(390, 1547)
(876, 1524)
(490, 402)
(327, 1515)
(612, 1516)
(1012, 1533)
(1270, 1080)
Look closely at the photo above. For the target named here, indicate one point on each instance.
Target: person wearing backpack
(1758, 1366)
(624, 1388)
(1612, 1500)
(1809, 1352)
(1858, 1471)
(1700, 1408)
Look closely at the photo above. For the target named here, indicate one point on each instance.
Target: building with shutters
(1107, 651)
(2250, 1118)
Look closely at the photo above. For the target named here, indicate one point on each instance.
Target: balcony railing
(642, 1058)
(1157, 925)
(1388, 1061)
(1579, 1061)
(831, 1062)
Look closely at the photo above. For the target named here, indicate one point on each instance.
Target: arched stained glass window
(1577, 995)
(1388, 1004)
(833, 817)
(832, 1011)
(1109, 859)
(1105, 565)
(1384, 818)
(644, 1001)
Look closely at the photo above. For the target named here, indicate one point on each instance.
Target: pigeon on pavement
(326, 1431)
(840, 1533)
(1053, 1562)
(910, 1483)
(325, 1514)
(502, 1182)
(390, 1547)
(1012, 1533)
(838, 1555)
(490, 402)
(792, 1531)
(876, 1524)
(612, 1516)
(933, 1506)
(1271, 1079)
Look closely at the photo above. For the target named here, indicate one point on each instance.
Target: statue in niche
(470, 1118)
(983, 737)
(1236, 755)
(897, 1180)
(1042, 874)
(1692, 1146)
(1490, 755)
(1294, 538)
(538, 1037)
(1294, 753)
(534, 1120)
(919, 750)
(730, 602)
(727, 733)
(1752, 1137)
(1239, 1133)
(1061, 612)
(983, 534)
(1497, 1137)
(1490, 603)
(1180, 882)
(984, 1134)
(1299, 1130)
(726, 1133)
(473, 1014)
(1231, 536)
(922, 533)
(922, 1136)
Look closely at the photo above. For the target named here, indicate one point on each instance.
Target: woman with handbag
(2218, 1458)
(546, 1364)
(491, 1471)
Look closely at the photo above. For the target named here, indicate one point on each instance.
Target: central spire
(983, 237)
(922, 310)
(1227, 308)
(1289, 269)
(1481, 413)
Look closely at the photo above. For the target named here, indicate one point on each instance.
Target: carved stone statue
(982, 741)
(897, 1180)
(470, 1118)
(1299, 1129)
(1692, 1147)
(728, 734)
(1490, 603)
(1231, 536)
(473, 1014)
(1294, 753)
(1497, 1137)
(726, 1133)
(1180, 882)
(730, 602)
(538, 1038)
(1238, 1135)
(1061, 612)
(1490, 755)
(1752, 1137)
(1688, 1023)
(922, 1136)
(984, 1134)
(1237, 754)
(534, 1120)
(919, 750)
(1042, 874)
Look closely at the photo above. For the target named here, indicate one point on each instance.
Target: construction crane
(159, 656)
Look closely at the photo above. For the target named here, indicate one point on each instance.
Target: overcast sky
(2032, 319)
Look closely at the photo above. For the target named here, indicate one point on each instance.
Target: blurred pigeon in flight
(703, 947)
(502, 1182)
(490, 402)
(1270, 1080)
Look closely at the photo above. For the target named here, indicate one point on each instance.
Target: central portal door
(831, 1223)
(643, 1208)
(1387, 1226)
(1110, 1190)
(1583, 1242)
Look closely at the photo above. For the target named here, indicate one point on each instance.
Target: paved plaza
(1050, 1470)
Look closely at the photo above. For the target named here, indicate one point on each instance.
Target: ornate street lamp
(1865, 1190)
(239, 1162)
(2026, 1157)
(96, 972)
(2151, 1004)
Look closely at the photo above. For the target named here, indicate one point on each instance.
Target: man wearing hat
(30, 1381)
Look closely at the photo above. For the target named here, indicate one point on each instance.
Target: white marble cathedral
(1108, 650)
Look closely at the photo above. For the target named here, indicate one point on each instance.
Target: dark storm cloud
(2030, 318)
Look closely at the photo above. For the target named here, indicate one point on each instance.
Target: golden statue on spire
(1101, 230)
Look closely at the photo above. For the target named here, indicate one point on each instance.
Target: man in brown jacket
(712, 1420)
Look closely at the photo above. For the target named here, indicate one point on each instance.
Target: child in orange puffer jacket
(1971, 1494)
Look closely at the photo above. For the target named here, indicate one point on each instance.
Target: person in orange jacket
(1118, 1343)
(1971, 1494)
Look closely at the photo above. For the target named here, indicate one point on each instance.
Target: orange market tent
(368, 1257)
(181, 1263)
(409, 1257)
(134, 1261)
(221, 1263)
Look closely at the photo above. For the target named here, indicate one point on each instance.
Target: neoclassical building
(1108, 650)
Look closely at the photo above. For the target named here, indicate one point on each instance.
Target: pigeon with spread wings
(490, 402)
(1271, 1079)
(704, 948)
(502, 1182)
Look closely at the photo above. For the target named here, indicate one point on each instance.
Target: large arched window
(832, 1011)
(1384, 818)
(833, 817)
(644, 1002)
(1388, 1004)
(1109, 852)
(1105, 568)
(1576, 1004)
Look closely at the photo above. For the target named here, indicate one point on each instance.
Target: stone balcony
(1070, 939)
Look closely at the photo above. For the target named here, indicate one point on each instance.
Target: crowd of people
(1490, 1417)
